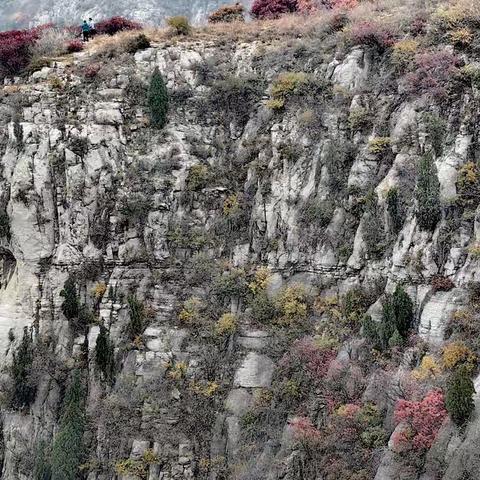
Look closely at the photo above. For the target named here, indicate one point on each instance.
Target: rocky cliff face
(179, 220)
(27, 13)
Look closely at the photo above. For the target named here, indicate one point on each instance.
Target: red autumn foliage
(113, 25)
(262, 9)
(15, 50)
(373, 34)
(304, 431)
(423, 418)
(75, 46)
(433, 73)
(307, 355)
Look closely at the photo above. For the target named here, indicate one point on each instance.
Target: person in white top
(91, 23)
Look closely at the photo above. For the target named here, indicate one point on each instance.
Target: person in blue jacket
(85, 31)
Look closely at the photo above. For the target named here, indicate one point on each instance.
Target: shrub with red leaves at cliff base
(15, 50)
(227, 14)
(273, 8)
(114, 25)
(442, 284)
(75, 46)
(307, 356)
(372, 34)
(433, 73)
(422, 421)
(304, 431)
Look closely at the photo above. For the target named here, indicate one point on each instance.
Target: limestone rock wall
(89, 187)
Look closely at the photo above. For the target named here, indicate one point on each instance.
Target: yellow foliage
(327, 341)
(378, 145)
(191, 312)
(207, 389)
(358, 118)
(428, 369)
(329, 306)
(262, 397)
(276, 103)
(404, 52)
(99, 290)
(177, 371)
(231, 205)
(288, 83)
(457, 353)
(261, 280)
(292, 305)
(456, 14)
(131, 467)
(149, 457)
(461, 37)
(474, 251)
(226, 325)
(56, 83)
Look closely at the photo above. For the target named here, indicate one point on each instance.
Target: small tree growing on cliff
(158, 100)
(71, 305)
(136, 309)
(428, 194)
(24, 387)
(67, 452)
(104, 354)
(459, 398)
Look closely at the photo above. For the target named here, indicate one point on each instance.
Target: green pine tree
(158, 100)
(395, 210)
(136, 311)
(68, 451)
(24, 387)
(370, 330)
(397, 319)
(403, 310)
(42, 470)
(459, 397)
(71, 305)
(428, 194)
(396, 340)
(104, 354)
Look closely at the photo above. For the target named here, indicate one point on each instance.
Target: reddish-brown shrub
(433, 73)
(304, 431)
(227, 14)
(423, 420)
(273, 8)
(15, 50)
(114, 25)
(75, 46)
(371, 33)
(91, 71)
(341, 4)
(305, 354)
(442, 284)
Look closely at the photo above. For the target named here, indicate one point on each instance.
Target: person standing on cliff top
(85, 31)
(91, 24)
